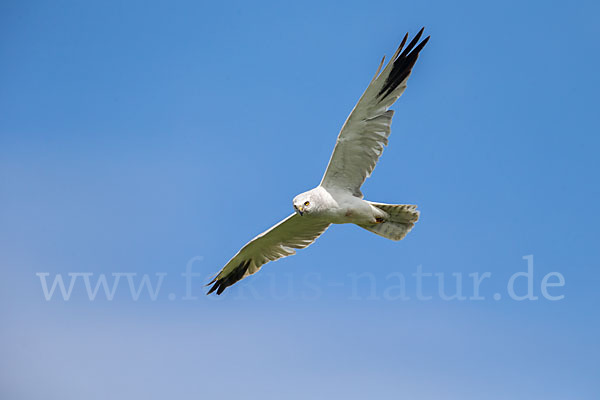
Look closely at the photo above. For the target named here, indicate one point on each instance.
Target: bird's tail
(399, 221)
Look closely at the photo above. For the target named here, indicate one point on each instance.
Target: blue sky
(136, 136)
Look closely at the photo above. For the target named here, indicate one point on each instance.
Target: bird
(338, 198)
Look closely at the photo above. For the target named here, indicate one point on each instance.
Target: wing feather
(365, 133)
(281, 240)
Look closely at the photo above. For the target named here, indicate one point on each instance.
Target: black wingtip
(403, 63)
(223, 283)
(402, 43)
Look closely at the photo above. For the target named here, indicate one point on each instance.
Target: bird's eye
(306, 203)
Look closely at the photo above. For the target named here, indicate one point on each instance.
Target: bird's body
(338, 198)
(337, 207)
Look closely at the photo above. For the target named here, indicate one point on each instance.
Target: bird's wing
(281, 240)
(365, 132)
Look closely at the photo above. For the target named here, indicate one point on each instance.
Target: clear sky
(140, 137)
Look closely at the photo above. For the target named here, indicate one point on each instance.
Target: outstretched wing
(365, 132)
(281, 240)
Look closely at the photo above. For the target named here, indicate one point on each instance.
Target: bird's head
(303, 203)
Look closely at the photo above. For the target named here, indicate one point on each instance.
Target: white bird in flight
(338, 199)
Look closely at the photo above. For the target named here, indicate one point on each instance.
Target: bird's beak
(300, 209)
